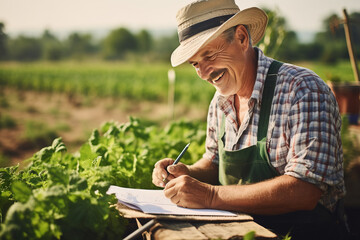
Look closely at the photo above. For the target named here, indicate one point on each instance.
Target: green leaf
(110, 129)
(5, 179)
(100, 187)
(86, 153)
(77, 183)
(21, 191)
(57, 175)
(57, 191)
(101, 150)
(97, 161)
(249, 236)
(95, 138)
(58, 145)
(45, 154)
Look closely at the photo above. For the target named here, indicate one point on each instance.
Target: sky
(26, 16)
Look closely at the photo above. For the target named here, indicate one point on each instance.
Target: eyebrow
(202, 55)
(205, 53)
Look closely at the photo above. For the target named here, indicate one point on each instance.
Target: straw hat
(204, 20)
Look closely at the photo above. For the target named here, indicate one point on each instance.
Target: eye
(194, 64)
(211, 57)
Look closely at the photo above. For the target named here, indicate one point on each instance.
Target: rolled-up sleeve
(315, 154)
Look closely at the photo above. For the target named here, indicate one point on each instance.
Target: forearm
(204, 170)
(279, 195)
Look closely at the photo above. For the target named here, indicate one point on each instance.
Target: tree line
(328, 45)
(119, 44)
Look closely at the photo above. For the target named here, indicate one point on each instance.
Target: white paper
(155, 202)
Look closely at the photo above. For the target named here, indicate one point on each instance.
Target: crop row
(132, 81)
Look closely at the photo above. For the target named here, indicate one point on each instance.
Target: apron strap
(267, 96)
(222, 127)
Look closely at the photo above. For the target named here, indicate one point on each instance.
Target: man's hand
(165, 170)
(186, 191)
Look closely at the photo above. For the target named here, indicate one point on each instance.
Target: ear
(242, 36)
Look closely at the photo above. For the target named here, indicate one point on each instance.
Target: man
(273, 146)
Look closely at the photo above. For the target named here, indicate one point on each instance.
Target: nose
(203, 70)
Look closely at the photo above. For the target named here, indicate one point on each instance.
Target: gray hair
(229, 34)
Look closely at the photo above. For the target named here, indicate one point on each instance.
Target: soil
(72, 118)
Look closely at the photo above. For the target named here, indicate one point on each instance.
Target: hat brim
(254, 18)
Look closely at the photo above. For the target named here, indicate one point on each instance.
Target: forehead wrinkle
(213, 47)
(216, 48)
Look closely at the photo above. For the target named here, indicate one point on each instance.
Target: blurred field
(98, 79)
(130, 80)
(40, 101)
(340, 72)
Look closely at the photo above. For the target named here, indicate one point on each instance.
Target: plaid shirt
(303, 138)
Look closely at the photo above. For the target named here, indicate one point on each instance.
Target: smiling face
(229, 66)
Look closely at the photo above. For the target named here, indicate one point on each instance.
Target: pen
(179, 157)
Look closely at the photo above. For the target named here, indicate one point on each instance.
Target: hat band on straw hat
(202, 26)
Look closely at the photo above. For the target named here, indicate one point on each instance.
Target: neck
(251, 72)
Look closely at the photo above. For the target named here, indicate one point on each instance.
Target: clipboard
(153, 206)
(130, 213)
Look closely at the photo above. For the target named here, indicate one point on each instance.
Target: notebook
(155, 202)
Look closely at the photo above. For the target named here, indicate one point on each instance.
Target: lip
(218, 78)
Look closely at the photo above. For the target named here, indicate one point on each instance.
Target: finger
(170, 177)
(159, 183)
(163, 163)
(169, 190)
(176, 199)
(157, 178)
(178, 169)
(170, 185)
(160, 173)
(172, 193)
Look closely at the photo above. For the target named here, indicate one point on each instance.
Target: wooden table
(192, 227)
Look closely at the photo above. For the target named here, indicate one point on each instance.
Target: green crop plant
(61, 195)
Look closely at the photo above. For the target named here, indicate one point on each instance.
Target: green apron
(252, 164)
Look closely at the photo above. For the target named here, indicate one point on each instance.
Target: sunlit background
(71, 67)
(61, 17)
